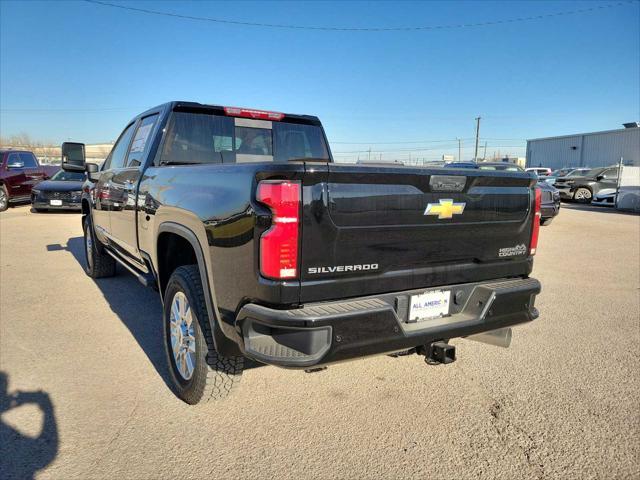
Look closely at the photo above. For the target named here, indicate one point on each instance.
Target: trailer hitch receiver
(438, 353)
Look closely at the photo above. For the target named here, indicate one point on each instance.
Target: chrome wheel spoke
(191, 346)
(189, 362)
(181, 306)
(182, 335)
(175, 311)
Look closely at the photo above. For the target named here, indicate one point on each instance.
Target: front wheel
(4, 198)
(99, 263)
(582, 195)
(199, 373)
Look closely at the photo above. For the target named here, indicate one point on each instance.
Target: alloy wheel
(183, 340)
(583, 194)
(88, 246)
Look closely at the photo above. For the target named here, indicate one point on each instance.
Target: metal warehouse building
(598, 149)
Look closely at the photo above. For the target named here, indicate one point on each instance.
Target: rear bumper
(329, 332)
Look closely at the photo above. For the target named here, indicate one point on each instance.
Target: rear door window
(140, 143)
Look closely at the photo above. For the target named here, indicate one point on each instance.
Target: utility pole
(459, 149)
(620, 163)
(484, 155)
(475, 157)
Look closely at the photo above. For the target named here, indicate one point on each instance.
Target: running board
(145, 279)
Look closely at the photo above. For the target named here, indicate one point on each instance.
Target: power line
(406, 142)
(396, 143)
(360, 29)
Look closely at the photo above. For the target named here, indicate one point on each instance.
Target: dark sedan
(62, 192)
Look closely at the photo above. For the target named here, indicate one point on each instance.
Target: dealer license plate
(427, 305)
(55, 203)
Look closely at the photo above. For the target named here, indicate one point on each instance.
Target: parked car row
(582, 185)
(23, 179)
(550, 197)
(19, 172)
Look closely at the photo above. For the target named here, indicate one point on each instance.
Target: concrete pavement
(562, 402)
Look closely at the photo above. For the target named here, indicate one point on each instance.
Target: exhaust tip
(498, 338)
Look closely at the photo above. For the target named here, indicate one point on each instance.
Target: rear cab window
(197, 138)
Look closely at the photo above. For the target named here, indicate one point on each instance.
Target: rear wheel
(199, 373)
(582, 195)
(99, 263)
(4, 198)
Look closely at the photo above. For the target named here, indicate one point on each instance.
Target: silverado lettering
(223, 210)
(343, 268)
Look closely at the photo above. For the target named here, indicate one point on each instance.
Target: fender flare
(221, 342)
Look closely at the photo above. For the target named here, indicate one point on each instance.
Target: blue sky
(74, 70)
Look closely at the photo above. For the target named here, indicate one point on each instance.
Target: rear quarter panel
(217, 203)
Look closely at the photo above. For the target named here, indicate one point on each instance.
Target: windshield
(594, 172)
(208, 138)
(578, 172)
(63, 176)
(508, 168)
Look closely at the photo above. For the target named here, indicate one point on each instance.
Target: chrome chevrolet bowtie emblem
(445, 209)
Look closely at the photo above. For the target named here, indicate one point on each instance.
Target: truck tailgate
(371, 229)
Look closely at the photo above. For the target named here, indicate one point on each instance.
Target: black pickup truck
(262, 247)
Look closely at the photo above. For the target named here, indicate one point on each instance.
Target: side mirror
(93, 171)
(17, 164)
(599, 177)
(73, 157)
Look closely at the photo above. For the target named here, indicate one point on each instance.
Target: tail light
(257, 114)
(535, 229)
(279, 244)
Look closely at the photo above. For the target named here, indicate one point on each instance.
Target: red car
(19, 172)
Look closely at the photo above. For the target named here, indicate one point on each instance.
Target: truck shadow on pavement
(21, 456)
(137, 306)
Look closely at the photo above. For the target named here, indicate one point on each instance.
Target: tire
(211, 376)
(37, 210)
(4, 198)
(583, 195)
(98, 264)
(546, 221)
